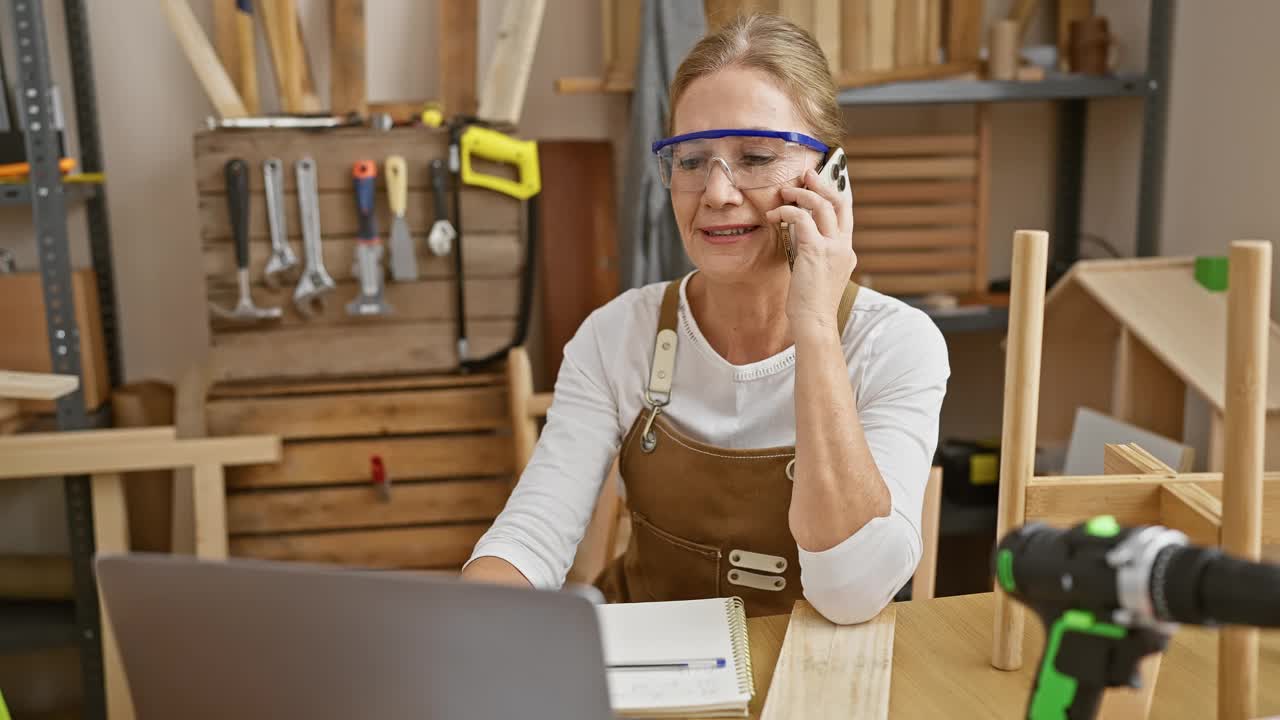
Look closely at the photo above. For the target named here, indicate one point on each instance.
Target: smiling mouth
(727, 233)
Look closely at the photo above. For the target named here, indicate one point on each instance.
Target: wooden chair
(608, 530)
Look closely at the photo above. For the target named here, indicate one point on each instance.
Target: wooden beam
(1193, 510)
(1130, 459)
(828, 670)
(46, 457)
(245, 70)
(1132, 499)
(347, 57)
(210, 511)
(456, 26)
(204, 60)
(1245, 416)
(964, 29)
(924, 582)
(502, 92)
(111, 536)
(36, 386)
(1021, 397)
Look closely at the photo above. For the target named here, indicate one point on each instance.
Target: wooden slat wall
(444, 441)
(421, 334)
(919, 212)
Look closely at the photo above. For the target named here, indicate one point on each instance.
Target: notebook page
(666, 631)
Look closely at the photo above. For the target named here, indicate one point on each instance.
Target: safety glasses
(750, 158)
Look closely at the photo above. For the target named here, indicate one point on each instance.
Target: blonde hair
(780, 49)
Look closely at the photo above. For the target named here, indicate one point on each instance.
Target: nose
(720, 190)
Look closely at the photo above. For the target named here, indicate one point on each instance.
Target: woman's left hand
(822, 230)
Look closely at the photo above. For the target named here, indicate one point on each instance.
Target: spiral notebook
(651, 638)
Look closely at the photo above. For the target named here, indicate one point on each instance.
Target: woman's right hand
(492, 569)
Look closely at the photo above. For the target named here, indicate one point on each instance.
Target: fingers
(797, 217)
(841, 201)
(824, 213)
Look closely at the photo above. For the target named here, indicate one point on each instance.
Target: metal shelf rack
(38, 625)
(1072, 94)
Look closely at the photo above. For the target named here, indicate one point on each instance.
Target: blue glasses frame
(794, 137)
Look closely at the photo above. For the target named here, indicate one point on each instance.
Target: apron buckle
(648, 438)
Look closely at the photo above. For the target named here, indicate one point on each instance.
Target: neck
(743, 321)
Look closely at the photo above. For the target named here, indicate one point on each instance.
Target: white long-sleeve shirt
(898, 368)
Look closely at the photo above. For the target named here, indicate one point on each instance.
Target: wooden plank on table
(914, 283)
(1193, 510)
(36, 386)
(894, 145)
(911, 33)
(487, 256)
(347, 91)
(1132, 459)
(881, 18)
(855, 48)
(343, 351)
(410, 503)
(878, 262)
(914, 169)
(334, 157)
(874, 216)
(828, 670)
(503, 88)
(964, 29)
(41, 458)
(353, 384)
(578, 259)
(456, 24)
(922, 191)
(441, 546)
(448, 410)
(482, 212)
(911, 239)
(429, 300)
(334, 462)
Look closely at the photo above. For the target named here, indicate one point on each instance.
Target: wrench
(315, 281)
(282, 257)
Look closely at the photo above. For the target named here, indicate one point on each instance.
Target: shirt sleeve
(546, 516)
(900, 391)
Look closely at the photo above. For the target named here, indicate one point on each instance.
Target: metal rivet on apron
(666, 346)
(791, 469)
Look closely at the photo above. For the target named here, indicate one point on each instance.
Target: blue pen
(697, 664)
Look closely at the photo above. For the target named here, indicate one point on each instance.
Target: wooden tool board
(421, 335)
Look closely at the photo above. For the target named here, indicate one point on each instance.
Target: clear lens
(750, 162)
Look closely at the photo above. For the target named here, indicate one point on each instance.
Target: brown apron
(706, 521)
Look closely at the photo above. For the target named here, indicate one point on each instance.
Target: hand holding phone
(833, 170)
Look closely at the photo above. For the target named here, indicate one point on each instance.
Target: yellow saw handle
(492, 145)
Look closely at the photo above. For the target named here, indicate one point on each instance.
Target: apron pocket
(666, 566)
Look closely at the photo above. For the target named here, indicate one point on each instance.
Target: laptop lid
(252, 640)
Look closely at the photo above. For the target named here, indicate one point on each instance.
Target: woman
(775, 442)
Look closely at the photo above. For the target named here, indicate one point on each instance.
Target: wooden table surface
(942, 668)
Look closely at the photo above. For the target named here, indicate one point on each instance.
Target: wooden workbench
(941, 665)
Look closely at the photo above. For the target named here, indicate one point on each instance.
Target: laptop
(253, 640)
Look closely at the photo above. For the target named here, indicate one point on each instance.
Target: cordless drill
(1109, 596)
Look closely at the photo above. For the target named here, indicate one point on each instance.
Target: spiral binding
(741, 646)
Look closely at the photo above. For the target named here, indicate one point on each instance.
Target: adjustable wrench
(368, 263)
(282, 257)
(315, 281)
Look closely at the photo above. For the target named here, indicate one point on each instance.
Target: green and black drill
(1109, 596)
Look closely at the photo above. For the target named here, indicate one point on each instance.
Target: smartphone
(834, 169)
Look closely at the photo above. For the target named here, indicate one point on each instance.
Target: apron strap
(663, 366)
